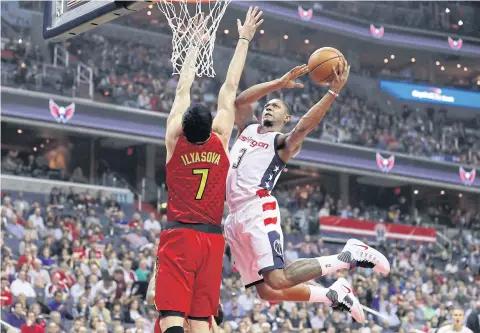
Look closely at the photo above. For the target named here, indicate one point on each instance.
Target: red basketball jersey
(196, 178)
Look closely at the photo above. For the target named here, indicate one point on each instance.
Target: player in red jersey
(189, 258)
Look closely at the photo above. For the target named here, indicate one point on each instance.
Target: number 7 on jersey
(203, 182)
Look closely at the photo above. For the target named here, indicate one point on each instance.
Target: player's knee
(266, 293)
(276, 279)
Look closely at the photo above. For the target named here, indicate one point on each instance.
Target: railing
(444, 238)
(60, 56)
(85, 75)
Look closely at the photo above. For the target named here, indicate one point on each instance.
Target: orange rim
(188, 1)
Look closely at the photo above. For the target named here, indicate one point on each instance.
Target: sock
(318, 295)
(331, 264)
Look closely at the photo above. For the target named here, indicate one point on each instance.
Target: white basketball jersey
(254, 165)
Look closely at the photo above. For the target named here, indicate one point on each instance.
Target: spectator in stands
(151, 224)
(38, 275)
(136, 239)
(6, 298)
(112, 203)
(142, 271)
(100, 311)
(57, 304)
(7, 205)
(121, 222)
(17, 317)
(11, 163)
(37, 220)
(143, 100)
(21, 285)
(15, 229)
(31, 325)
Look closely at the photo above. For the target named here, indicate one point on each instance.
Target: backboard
(63, 19)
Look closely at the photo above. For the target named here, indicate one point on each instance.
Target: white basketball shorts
(255, 238)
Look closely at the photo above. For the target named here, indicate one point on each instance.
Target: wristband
(330, 91)
(248, 40)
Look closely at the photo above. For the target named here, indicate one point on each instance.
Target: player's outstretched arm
(292, 141)
(244, 101)
(224, 120)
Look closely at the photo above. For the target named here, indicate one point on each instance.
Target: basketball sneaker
(341, 295)
(359, 254)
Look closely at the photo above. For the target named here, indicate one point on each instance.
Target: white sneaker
(341, 295)
(359, 254)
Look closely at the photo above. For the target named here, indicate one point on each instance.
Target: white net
(196, 28)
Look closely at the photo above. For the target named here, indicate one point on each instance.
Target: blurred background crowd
(78, 257)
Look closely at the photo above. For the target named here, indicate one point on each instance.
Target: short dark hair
(197, 123)
(288, 107)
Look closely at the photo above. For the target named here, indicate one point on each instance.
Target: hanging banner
(334, 226)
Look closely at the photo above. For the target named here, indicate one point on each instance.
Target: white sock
(318, 295)
(330, 264)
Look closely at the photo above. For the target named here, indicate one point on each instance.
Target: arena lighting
(442, 192)
(262, 32)
(460, 195)
(286, 170)
(437, 63)
(478, 82)
(23, 65)
(415, 192)
(79, 51)
(149, 13)
(412, 60)
(458, 65)
(307, 41)
(34, 148)
(285, 37)
(150, 6)
(392, 56)
(385, 60)
(465, 69)
(42, 145)
(460, 23)
(20, 41)
(447, 10)
(442, 68)
(47, 141)
(226, 31)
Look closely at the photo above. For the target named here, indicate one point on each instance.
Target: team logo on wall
(305, 15)
(467, 177)
(377, 32)
(61, 114)
(385, 164)
(455, 44)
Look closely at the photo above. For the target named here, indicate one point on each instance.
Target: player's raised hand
(289, 79)
(252, 22)
(341, 76)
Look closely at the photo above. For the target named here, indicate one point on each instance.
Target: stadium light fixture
(415, 192)
(442, 68)
(478, 82)
(285, 37)
(447, 10)
(150, 6)
(392, 56)
(226, 31)
(458, 65)
(465, 69)
(460, 23)
(307, 41)
(437, 63)
(19, 131)
(442, 192)
(35, 149)
(412, 60)
(20, 41)
(460, 195)
(385, 60)
(262, 32)
(149, 13)
(42, 145)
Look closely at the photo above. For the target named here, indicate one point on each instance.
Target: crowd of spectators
(75, 262)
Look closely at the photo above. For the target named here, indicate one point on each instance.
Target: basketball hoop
(195, 29)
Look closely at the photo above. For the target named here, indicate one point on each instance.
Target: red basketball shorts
(189, 272)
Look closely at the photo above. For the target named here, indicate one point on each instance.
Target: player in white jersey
(253, 229)
(458, 317)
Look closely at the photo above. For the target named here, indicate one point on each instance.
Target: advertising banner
(333, 226)
(429, 94)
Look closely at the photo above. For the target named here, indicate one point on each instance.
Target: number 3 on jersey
(203, 182)
(240, 157)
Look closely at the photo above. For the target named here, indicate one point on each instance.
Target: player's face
(274, 113)
(458, 317)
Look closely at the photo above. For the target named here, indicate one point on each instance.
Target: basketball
(321, 62)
